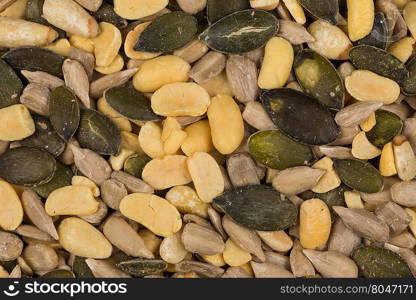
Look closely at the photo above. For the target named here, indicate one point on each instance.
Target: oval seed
(172, 249)
(141, 267)
(326, 10)
(409, 14)
(362, 147)
(186, 200)
(40, 257)
(388, 125)
(209, 66)
(131, 40)
(234, 256)
(198, 138)
(11, 244)
(293, 181)
(277, 240)
(11, 86)
(242, 78)
(360, 18)
(202, 240)
(61, 177)
(82, 239)
(404, 158)
(217, 9)
(18, 117)
(11, 211)
(150, 139)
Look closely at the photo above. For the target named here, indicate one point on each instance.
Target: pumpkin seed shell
(217, 9)
(241, 32)
(388, 125)
(323, 9)
(107, 14)
(300, 116)
(143, 267)
(359, 175)
(135, 163)
(59, 274)
(379, 61)
(98, 133)
(27, 166)
(168, 32)
(10, 85)
(130, 103)
(35, 59)
(334, 197)
(319, 78)
(81, 269)
(277, 151)
(409, 85)
(61, 177)
(380, 263)
(258, 207)
(379, 35)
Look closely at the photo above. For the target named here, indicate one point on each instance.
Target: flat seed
(404, 194)
(76, 79)
(172, 249)
(409, 14)
(293, 181)
(61, 177)
(343, 239)
(135, 163)
(402, 49)
(299, 264)
(44, 79)
(150, 140)
(33, 232)
(255, 115)
(40, 257)
(277, 240)
(186, 200)
(234, 256)
(326, 10)
(404, 240)
(295, 10)
(394, 216)
(203, 269)
(132, 184)
(16, 116)
(198, 138)
(193, 51)
(240, 32)
(242, 170)
(106, 44)
(104, 269)
(294, 32)
(388, 125)
(362, 148)
(10, 85)
(360, 18)
(379, 35)
(192, 7)
(209, 66)
(235, 272)
(98, 87)
(201, 240)
(356, 113)
(242, 78)
(112, 191)
(268, 270)
(404, 158)
(380, 263)
(151, 211)
(97, 217)
(12, 246)
(35, 98)
(217, 9)
(133, 10)
(5, 4)
(407, 85)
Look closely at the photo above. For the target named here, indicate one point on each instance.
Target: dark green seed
(8, 265)
(134, 164)
(379, 61)
(409, 85)
(64, 112)
(379, 35)
(334, 197)
(380, 263)
(217, 9)
(322, 9)
(35, 59)
(107, 14)
(10, 85)
(300, 116)
(27, 166)
(168, 32)
(98, 133)
(359, 175)
(130, 103)
(277, 151)
(388, 125)
(241, 32)
(143, 267)
(61, 177)
(258, 207)
(59, 274)
(81, 269)
(45, 137)
(328, 89)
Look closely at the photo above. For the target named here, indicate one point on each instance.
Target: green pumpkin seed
(143, 267)
(217, 9)
(241, 32)
(319, 79)
(45, 137)
(27, 166)
(168, 32)
(409, 85)
(64, 112)
(10, 85)
(388, 125)
(300, 116)
(98, 133)
(322, 9)
(61, 177)
(334, 197)
(107, 14)
(81, 269)
(33, 12)
(380, 263)
(35, 59)
(134, 164)
(59, 274)
(258, 207)
(359, 175)
(130, 103)
(379, 61)
(277, 151)
(379, 35)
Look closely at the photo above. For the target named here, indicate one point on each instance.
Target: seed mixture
(207, 138)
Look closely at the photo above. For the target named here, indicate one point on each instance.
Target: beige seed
(346, 136)
(268, 270)
(17, 117)
(104, 269)
(216, 222)
(331, 264)
(387, 164)
(235, 272)
(84, 181)
(395, 217)
(209, 66)
(203, 269)
(80, 238)
(97, 217)
(192, 6)
(5, 4)
(362, 148)
(255, 115)
(92, 5)
(71, 17)
(85, 58)
(151, 241)
(357, 113)
(294, 32)
(206, 176)
(295, 10)
(234, 256)
(299, 264)
(44, 79)
(360, 18)
(353, 199)
(11, 211)
(404, 193)
(218, 85)
(402, 49)
(76, 78)
(406, 254)
(98, 87)
(112, 191)
(329, 180)
(403, 240)
(404, 158)
(172, 249)
(242, 78)
(277, 240)
(409, 14)
(33, 232)
(153, 212)
(242, 170)
(40, 257)
(198, 138)
(35, 97)
(137, 9)
(11, 246)
(192, 51)
(132, 183)
(201, 240)
(333, 152)
(186, 200)
(343, 239)
(296, 180)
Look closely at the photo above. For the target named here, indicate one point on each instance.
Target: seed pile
(207, 138)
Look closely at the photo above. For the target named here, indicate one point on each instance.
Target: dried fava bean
(318, 78)
(71, 200)
(209, 66)
(217, 9)
(206, 176)
(106, 44)
(133, 184)
(331, 264)
(388, 125)
(293, 181)
(240, 32)
(356, 113)
(180, 99)
(153, 212)
(11, 211)
(201, 240)
(330, 41)
(71, 17)
(192, 51)
(10, 85)
(380, 263)
(277, 240)
(172, 249)
(186, 200)
(242, 78)
(271, 211)
(82, 239)
(315, 224)
(157, 72)
(378, 61)
(225, 113)
(16, 117)
(313, 124)
(362, 148)
(360, 18)
(379, 35)
(40, 257)
(168, 32)
(150, 139)
(326, 10)
(404, 158)
(277, 63)
(294, 32)
(134, 10)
